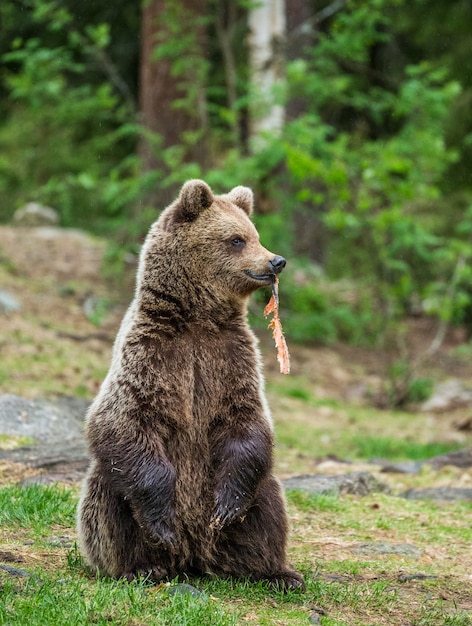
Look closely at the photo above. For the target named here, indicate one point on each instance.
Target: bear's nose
(277, 264)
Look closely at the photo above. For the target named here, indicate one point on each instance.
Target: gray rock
(61, 542)
(461, 458)
(316, 614)
(71, 453)
(447, 396)
(45, 421)
(371, 548)
(56, 427)
(355, 483)
(402, 467)
(34, 214)
(8, 303)
(440, 494)
(13, 571)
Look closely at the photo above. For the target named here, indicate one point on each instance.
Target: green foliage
(420, 27)
(420, 389)
(401, 385)
(372, 191)
(177, 42)
(366, 163)
(66, 141)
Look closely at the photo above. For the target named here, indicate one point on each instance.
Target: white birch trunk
(267, 32)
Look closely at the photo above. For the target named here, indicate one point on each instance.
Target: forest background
(350, 119)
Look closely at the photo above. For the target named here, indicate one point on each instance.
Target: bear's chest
(221, 365)
(187, 382)
(201, 374)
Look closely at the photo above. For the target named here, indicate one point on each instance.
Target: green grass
(36, 507)
(306, 501)
(364, 447)
(76, 602)
(51, 370)
(9, 442)
(354, 590)
(349, 431)
(311, 440)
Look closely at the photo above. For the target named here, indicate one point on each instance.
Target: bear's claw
(149, 572)
(160, 536)
(284, 581)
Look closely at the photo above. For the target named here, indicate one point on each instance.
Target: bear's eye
(238, 242)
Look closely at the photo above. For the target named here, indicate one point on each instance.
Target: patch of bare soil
(52, 272)
(59, 341)
(14, 472)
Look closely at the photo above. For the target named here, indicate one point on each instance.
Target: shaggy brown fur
(180, 434)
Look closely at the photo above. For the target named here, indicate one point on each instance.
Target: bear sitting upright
(180, 434)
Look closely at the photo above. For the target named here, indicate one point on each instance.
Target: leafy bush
(373, 193)
(361, 171)
(67, 141)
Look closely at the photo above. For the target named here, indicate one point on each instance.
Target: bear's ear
(195, 197)
(243, 198)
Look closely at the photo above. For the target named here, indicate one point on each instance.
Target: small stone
(380, 547)
(460, 458)
(13, 571)
(316, 613)
(403, 578)
(34, 214)
(354, 483)
(8, 303)
(405, 467)
(448, 395)
(440, 494)
(62, 542)
(183, 588)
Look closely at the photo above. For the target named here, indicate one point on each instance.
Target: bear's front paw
(228, 510)
(160, 535)
(158, 530)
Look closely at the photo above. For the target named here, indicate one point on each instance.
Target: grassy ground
(377, 560)
(340, 543)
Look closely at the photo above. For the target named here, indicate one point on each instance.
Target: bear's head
(207, 245)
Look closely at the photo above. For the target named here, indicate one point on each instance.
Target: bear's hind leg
(109, 537)
(256, 547)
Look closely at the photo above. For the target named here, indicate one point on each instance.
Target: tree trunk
(300, 37)
(267, 26)
(172, 80)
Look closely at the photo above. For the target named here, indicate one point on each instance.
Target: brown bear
(180, 434)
